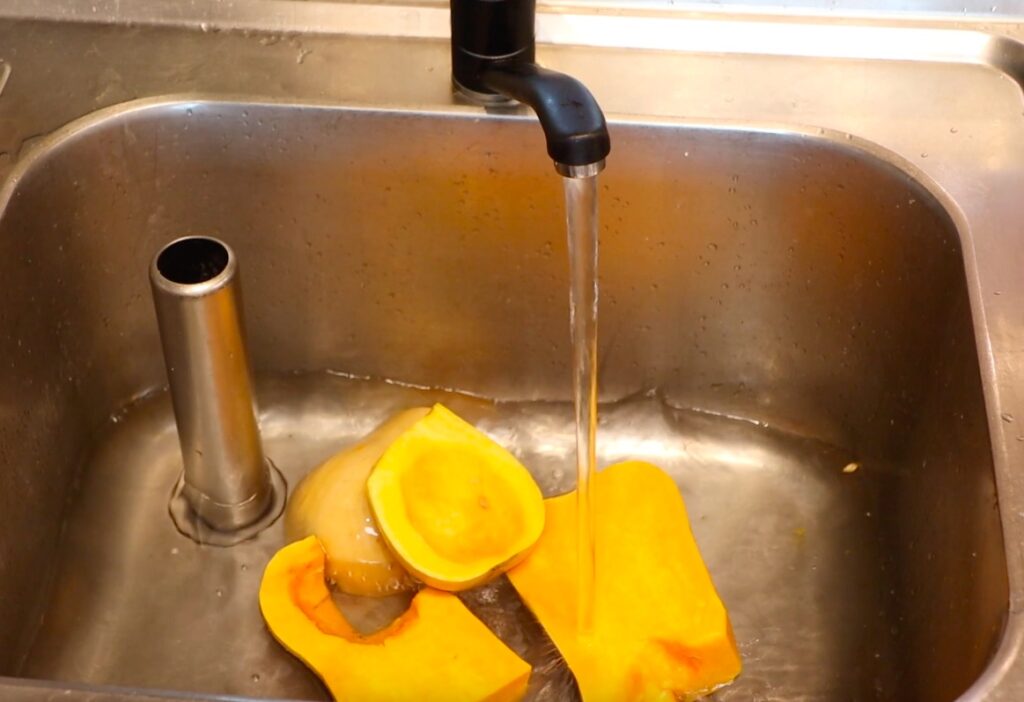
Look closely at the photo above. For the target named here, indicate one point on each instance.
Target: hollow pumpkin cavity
(455, 507)
(436, 651)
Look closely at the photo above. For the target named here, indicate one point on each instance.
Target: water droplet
(244, 567)
(924, 154)
(255, 677)
(1007, 417)
(712, 246)
(174, 551)
(220, 592)
(953, 130)
(188, 111)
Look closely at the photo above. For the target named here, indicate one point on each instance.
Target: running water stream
(581, 226)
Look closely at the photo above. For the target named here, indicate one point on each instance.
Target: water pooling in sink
(190, 591)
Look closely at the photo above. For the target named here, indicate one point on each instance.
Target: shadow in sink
(786, 329)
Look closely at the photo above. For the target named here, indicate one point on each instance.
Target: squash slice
(660, 631)
(330, 503)
(437, 651)
(455, 507)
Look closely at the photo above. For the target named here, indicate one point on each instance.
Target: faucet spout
(573, 123)
(493, 60)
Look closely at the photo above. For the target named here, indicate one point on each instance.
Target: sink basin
(786, 327)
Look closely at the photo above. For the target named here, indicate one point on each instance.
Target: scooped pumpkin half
(436, 651)
(660, 631)
(330, 503)
(455, 507)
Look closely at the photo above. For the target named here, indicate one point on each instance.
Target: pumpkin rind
(331, 503)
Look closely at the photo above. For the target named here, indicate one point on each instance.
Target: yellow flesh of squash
(660, 631)
(437, 651)
(455, 507)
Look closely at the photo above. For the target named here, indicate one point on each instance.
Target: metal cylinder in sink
(226, 478)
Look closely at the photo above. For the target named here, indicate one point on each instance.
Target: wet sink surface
(816, 539)
(776, 307)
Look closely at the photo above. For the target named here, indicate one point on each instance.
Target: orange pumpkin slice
(454, 506)
(436, 651)
(659, 630)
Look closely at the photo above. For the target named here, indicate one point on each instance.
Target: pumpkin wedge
(455, 507)
(660, 631)
(330, 503)
(437, 651)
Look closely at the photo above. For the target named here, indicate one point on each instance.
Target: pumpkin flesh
(436, 651)
(660, 631)
(454, 506)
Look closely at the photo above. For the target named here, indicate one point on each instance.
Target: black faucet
(493, 60)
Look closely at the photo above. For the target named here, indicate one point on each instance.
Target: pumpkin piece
(455, 507)
(331, 503)
(660, 631)
(436, 651)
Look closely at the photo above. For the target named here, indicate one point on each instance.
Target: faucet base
(475, 97)
(189, 523)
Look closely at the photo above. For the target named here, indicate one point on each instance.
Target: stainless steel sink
(793, 312)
